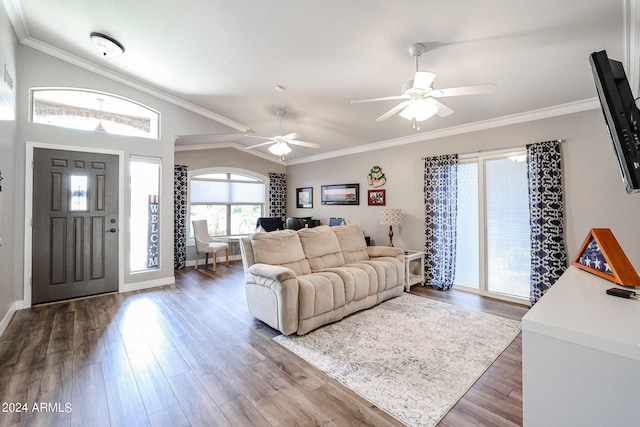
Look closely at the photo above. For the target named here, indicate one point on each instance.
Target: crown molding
(631, 43)
(542, 113)
(16, 17)
(90, 66)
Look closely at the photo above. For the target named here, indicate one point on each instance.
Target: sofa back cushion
(352, 243)
(321, 247)
(280, 248)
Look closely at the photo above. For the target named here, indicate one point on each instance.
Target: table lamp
(391, 217)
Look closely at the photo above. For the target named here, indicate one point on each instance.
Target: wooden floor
(190, 354)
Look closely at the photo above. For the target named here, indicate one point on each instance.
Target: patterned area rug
(413, 357)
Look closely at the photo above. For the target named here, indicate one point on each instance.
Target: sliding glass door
(493, 233)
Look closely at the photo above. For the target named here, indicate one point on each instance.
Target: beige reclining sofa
(297, 281)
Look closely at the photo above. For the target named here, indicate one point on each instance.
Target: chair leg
(226, 253)
(206, 260)
(215, 261)
(196, 267)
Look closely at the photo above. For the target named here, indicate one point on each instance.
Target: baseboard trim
(192, 262)
(130, 287)
(17, 305)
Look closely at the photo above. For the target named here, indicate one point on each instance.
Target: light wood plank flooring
(190, 354)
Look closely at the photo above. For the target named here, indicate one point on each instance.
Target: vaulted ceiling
(224, 58)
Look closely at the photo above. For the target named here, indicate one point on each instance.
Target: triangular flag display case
(601, 255)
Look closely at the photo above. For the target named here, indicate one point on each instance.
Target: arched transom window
(93, 111)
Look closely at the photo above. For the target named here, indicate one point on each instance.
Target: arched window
(230, 200)
(93, 111)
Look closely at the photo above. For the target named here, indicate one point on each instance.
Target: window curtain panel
(180, 185)
(548, 254)
(441, 204)
(278, 195)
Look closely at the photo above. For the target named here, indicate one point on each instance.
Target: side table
(410, 276)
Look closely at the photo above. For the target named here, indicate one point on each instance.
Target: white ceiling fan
(418, 94)
(280, 143)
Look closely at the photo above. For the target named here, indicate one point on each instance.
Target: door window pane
(78, 193)
(508, 230)
(468, 244)
(145, 214)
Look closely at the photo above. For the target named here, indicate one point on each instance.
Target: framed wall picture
(376, 198)
(304, 198)
(342, 194)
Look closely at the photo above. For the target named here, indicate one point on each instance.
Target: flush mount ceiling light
(107, 46)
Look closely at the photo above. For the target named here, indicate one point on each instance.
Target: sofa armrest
(271, 272)
(272, 296)
(379, 251)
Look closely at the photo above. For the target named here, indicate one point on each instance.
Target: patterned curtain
(441, 203)
(548, 254)
(180, 184)
(278, 195)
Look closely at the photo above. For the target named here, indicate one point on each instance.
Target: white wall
(594, 194)
(37, 69)
(8, 130)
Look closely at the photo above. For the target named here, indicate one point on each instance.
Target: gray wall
(228, 158)
(37, 69)
(8, 130)
(594, 194)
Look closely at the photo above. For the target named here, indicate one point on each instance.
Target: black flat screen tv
(621, 115)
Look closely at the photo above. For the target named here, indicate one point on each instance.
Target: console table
(581, 355)
(411, 278)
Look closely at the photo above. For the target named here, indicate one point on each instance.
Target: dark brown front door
(75, 224)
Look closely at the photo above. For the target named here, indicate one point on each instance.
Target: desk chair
(207, 244)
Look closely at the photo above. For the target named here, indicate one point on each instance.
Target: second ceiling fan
(419, 96)
(279, 142)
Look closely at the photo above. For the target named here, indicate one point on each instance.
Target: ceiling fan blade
(393, 111)
(259, 137)
(464, 90)
(304, 144)
(443, 110)
(423, 80)
(386, 98)
(259, 145)
(292, 135)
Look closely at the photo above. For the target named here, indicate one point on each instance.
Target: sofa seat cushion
(352, 243)
(321, 248)
(320, 293)
(360, 280)
(280, 248)
(390, 271)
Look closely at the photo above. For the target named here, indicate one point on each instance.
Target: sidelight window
(145, 214)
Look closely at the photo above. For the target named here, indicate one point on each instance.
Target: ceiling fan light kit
(280, 148)
(279, 143)
(418, 94)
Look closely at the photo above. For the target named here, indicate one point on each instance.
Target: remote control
(622, 293)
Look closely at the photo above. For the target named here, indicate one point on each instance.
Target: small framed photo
(377, 198)
(304, 197)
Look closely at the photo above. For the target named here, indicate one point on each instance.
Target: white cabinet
(581, 355)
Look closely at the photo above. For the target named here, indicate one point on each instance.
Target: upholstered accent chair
(205, 244)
